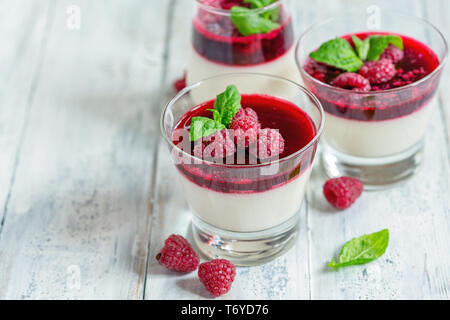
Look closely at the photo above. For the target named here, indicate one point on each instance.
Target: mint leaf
(273, 14)
(203, 127)
(227, 105)
(362, 47)
(338, 53)
(379, 43)
(249, 22)
(362, 250)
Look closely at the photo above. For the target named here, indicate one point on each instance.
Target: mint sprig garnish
(362, 250)
(338, 53)
(249, 21)
(379, 43)
(227, 104)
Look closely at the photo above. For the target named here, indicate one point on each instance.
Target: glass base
(245, 248)
(376, 173)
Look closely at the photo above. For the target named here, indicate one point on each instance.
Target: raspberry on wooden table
(180, 83)
(342, 192)
(178, 255)
(217, 276)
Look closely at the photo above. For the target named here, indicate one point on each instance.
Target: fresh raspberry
(178, 255)
(393, 53)
(180, 83)
(217, 276)
(270, 144)
(342, 192)
(316, 69)
(352, 81)
(245, 130)
(217, 146)
(379, 71)
(246, 113)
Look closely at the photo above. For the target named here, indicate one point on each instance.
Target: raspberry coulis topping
(393, 70)
(216, 38)
(295, 127)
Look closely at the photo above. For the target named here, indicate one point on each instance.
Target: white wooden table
(88, 193)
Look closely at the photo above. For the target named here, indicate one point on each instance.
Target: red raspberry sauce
(296, 127)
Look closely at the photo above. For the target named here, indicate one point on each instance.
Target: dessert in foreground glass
(244, 159)
(376, 96)
(241, 36)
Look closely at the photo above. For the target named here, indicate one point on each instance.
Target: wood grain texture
(77, 223)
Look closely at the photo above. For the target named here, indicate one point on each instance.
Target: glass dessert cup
(249, 213)
(217, 47)
(376, 136)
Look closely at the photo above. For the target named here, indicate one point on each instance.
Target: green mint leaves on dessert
(379, 43)
(249, 21)
(362, 47)
(362, 250)
(203, 127)
(338, 53)
(272, 14)
(227, 104)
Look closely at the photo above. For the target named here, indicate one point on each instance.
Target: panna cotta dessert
(376, 103)
(375, 82)
(244, 158)
(241, 36)
(239, 197)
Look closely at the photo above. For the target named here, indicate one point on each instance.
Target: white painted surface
(87, 187)
(246, 212)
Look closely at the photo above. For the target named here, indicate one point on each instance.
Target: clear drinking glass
(217, 47)
(376, 136)
(248, 214)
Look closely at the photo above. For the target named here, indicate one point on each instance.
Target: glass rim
(304, 90)
(345, 17)
(226, 12)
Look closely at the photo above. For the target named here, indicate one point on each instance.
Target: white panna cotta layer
(200, 68)
(246, 212)
(377, 138)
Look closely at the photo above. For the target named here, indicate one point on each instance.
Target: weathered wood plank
(77, 223)
(412, 267)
